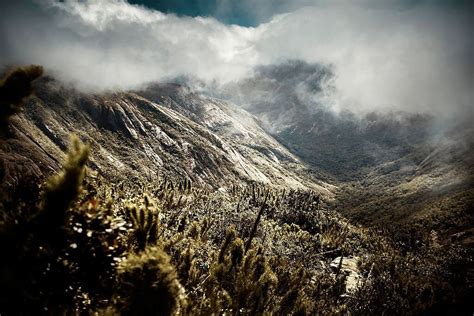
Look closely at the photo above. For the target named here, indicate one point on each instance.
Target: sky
(385, 55)
(254, 12)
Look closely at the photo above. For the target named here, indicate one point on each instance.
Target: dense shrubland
(79, 243)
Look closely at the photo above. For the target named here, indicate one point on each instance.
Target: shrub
(15, 86)
(149, 285)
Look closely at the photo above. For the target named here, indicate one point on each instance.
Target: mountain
(291, 100)
(376, 168)
(389, 167)
(163, 130)
(315, 211)
(431, 188)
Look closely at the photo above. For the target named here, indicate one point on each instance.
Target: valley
(329, 212)
(244, 158)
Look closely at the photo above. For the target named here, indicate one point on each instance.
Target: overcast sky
(397, 55)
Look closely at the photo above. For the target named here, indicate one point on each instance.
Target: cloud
(417, 58)
(111, 44)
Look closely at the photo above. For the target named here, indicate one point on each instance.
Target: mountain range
(270, 128)
(340, 211)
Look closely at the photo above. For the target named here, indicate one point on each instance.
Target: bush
(15, 86)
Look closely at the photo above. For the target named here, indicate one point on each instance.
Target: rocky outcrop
(349, 267)
(146, 135)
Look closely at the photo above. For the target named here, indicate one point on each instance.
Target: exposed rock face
(165, 129)
(168, 129)
(348, 266)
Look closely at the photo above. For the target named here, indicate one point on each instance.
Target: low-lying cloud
(418, 58)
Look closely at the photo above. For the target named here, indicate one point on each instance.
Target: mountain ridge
(203, 139)
(168, 165)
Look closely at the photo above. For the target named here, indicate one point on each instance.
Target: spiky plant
(149, 285)
(14, 88)
(145, 224)
(257, 221)
(62, 189)
(255, 283)
(289, 286)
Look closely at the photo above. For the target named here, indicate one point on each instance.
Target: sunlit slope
(201, 138)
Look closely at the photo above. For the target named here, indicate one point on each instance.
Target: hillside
(236, 158)
(389, 167)
(430, 189)
(185, 204)
(165, 130)
(291, 99)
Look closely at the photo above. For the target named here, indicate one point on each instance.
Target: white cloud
(418, 59)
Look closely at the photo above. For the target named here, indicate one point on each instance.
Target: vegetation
(80, 243)
(167, 247)
(14, 88)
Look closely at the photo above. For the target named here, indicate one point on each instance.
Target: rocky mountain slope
(389, 167)
(381, 167)
(430, 188)
(291, 99)
(164, 130)
(217, 240)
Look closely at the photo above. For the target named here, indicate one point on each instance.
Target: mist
(416, 58)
